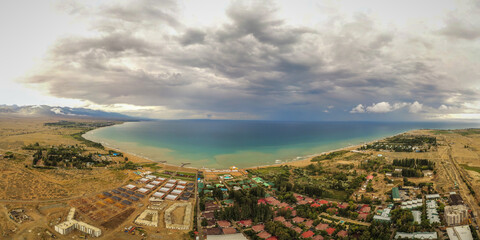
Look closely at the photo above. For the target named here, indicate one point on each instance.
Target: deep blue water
(223, 143)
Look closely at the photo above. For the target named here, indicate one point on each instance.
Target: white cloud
(415, 107)
(381, 107)
(384, 107)
(358, 109)
(443, 107)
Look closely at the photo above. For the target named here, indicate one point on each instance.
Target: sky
(275, 60)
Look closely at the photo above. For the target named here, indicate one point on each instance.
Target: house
(362, 216)
(288, 224)
(229, 230)
(322, 226)
(307, 234)
(245, 223)
(309, 223)
(330, 231)
(258, 228)
(224, 224)
(272, 238)
(342, 233)
(264, 235)
(279, 219)
(298, 219)
(318, 237)
(214, 231)
(297, 229)
(322, 202)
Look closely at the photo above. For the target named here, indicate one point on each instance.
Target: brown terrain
(46, 195)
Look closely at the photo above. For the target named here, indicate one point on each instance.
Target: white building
(416, 235)
(459, 233)
(71, 224)
(456, 214)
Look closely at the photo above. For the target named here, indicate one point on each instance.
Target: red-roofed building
(307, 234)
(279, 219)
(262, 201)
(264, 235)
(330, 230)
(272, 238)
(224, 224)
(315, 205)
(309, 223)
(245, 223)
(322, 226)
(283, 205)
(309, 199)
(270, 199)
(288, 208)
(298, 219)
(297, 229)
(229, 230)
(342, 233)
(342, 205)
(362, 216)
(302, 202)
(318, 237)
(331, 210)
(294, 213)
(365, 209)
(258, 228)
(288, 224)
(322, 202)
(369, 177)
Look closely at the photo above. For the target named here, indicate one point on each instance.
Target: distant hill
(44, 110)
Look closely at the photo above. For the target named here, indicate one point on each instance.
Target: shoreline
(303, 161)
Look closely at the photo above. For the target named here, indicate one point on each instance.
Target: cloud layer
(256, 64)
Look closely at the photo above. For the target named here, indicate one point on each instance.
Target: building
(432, 213)
(72, 224)
(396, 194)
(416, 235)
(384, 216)
(432, 196)
(455, 215)
(460, 233)
(412, 204)
(455, 199)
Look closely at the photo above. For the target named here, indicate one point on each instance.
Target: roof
(245, 223)
(395, 193)
(235, 236)
(330, 230)
(214, 231)
(264, 234)
(229, 230)
(224, 223)
(298, 219)
(258, 228)
(416, 235)
(342, 233)
(322, 226)
(307, 234)
(272, 238)
(460, 233)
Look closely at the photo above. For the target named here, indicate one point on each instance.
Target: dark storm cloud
(255, 63)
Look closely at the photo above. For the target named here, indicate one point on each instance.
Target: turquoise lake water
(224, 143)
